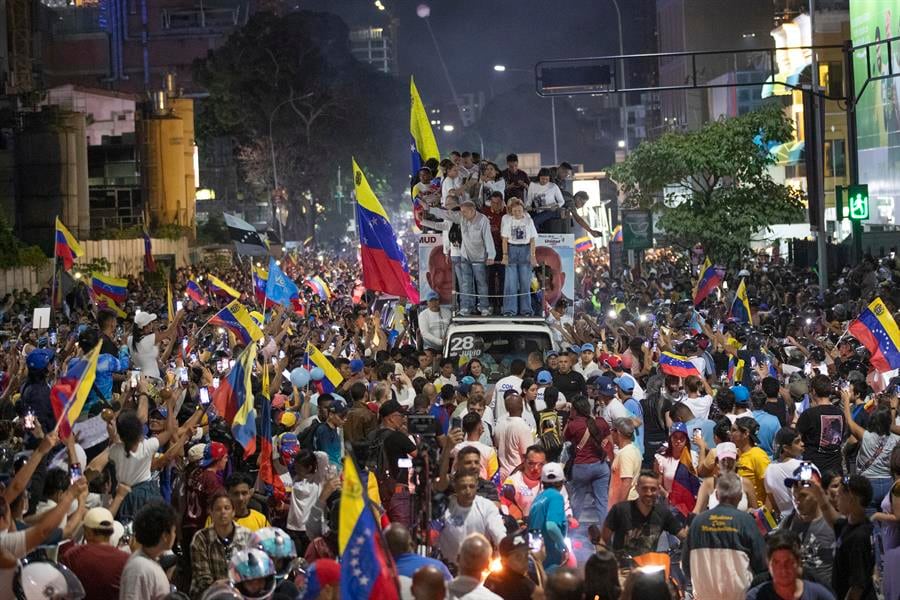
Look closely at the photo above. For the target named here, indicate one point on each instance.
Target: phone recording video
(204, 394)
(74, 472)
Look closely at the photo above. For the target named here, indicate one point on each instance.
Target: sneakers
(486, 312)
(465, 312)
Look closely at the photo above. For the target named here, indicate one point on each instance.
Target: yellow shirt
(752, 465)
(627, 464)
(253, 521)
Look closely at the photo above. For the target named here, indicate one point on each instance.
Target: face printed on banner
(553, 285)
(440, 274)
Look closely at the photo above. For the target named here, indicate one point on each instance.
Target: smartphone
(184, 344)
(281, 355)
(404, 463)
(215, 383)
(805, 473)
(698, 431)
(74, 472)
(135, 375)
(535, 541)
(29, 420)
(183, 375)
(204, 394)
(456, 423)
(179, 305)
(53, 337)
(193, 357)
(231, 364)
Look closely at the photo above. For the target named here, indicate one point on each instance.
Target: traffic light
(858, 202)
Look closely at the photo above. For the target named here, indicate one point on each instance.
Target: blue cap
(39, 359)
(575, 349)
(544, 377)
(432, 295)
(626, 384)
(162, 411)
(552, 353)
(741, 394)
(339, 406)
(678, 427)
(587, 348)
(356, 365)
(605, 385)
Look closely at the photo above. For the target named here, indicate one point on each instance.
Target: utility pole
(818, 103)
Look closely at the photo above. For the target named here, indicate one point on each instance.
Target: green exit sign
(858, 202)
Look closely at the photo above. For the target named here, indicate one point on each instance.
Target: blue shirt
(548, 515)
(768, 427)
(634, 407)
(409, 563)
(328, 440)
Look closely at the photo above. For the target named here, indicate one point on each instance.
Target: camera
(420, 425)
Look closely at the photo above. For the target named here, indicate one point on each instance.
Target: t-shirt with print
(816, 545)
(201, 485)
(636, 533)
(822, 429)
(518, 232)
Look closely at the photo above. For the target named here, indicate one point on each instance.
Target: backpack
(307, 437)
(548, 434)
(376, 455)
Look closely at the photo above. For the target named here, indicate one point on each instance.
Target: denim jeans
(517, 282)
(593, 477)
(457, 278)
(473, 281)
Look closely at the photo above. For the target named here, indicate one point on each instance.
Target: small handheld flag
(112, 287)
(710, 278)
(740, 307)
(217, 287)
(332, 376)
(70, 392)
(236, 318)
(676, 365)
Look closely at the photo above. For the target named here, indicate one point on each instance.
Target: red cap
(213, 452)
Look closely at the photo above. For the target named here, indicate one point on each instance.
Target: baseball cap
(798, 388)
(321, 574)
(432, 295)
(626, 384)
(794, 479)
(552, 473)
(605, 385)
(159, 413)
(574, 349)
(544, 377)
(142, 319)
(741, 394)
(679, 427)
(467, 200)
(195, 454)
(613, 362)
(339, 406)
(513, 542)
(213, 452)
(98, 518)
(288, 419)
(587, 348)
(356, 365)
(552, 353)
(726, 450)
(39, 359)
(390, 407)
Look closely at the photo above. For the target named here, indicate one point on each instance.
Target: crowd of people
(762, 463)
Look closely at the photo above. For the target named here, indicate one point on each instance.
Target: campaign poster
(555, 252)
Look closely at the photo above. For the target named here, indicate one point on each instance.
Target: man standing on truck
(433, 322)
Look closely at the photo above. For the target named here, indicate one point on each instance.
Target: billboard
(556, 251)
(878, 111)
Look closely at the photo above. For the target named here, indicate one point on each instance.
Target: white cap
(552, 473)
(726, 450)
(142, 319)
(196, 452)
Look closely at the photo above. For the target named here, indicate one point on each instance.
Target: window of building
(835, 158)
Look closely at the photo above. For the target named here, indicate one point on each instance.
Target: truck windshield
(496, 350)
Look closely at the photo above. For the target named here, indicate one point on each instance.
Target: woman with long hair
(601, 576)
(590, 472)
(676, 470)
(876, 443)
(656, 407)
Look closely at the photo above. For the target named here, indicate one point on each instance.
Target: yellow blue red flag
(877, 330)
(66, 247)
(740, 307)
(236, 318)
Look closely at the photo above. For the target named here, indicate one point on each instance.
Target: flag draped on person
(685, 485)
(710, 278)
(246, 239)
(332, 378)
(66, 247)
(236, 318)
(876, 329)
(70, 392)
(233, 401)
(384, 264)
(149, 263)
(195, 292)
(740, 306)
(219, 288)
(279, 287)
(368, 571)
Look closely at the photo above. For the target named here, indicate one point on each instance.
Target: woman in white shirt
(145, 340)
(490, 182)
(452, 185)
(519, 237)
(544, 200)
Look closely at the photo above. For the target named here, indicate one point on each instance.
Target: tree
(295, 72)
(723, 193)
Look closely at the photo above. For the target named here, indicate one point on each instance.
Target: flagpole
(55, 262)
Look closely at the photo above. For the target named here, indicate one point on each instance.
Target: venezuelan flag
(583, 244)
(149, 263)
(233, 401)
(267, 480)
(617, 234)
(103, 301)
(877, 330)
(113, 288)
(70, 392)
(679, 366)
(66, 246)
(685, 485)
(217, 287)
(383, 262)
(368, 569)
(236, 319)
(740, 307)
(195, 292)
(765, 520)
(423, 144)
(260, 279)
(318, 285)
(710, 278)
(332, 376)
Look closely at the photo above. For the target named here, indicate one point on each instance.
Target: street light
(621, 143)
(379, 5)
(448, 128)
(424, 12)
(504, 69)
(500, 68)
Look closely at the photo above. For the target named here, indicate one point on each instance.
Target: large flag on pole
(423, 145)
(710, 278)
(66, 247)
(233, 401)
(113, 288)
(236, 318)
(70, 392)
(245, 237)
(877, 330)
(740, 307)
(279, 288)
(383, 261)
(149, 262)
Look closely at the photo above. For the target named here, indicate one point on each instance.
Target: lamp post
(504, 69)
(424, 12)
(621, 69)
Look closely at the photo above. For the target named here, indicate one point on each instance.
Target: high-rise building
(375, 46)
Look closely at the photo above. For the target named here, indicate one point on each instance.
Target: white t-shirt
(15, 544)
(699, 406)
(143, 578)
(543, 197)
(497, 408)
(144, 356)
(304, 495)
(518, 232)
(135, 468)
(614, 409)
(513, 437)
(482, 517)
(776, 473)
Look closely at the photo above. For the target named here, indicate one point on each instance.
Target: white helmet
(43, 580)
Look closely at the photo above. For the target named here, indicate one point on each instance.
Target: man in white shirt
(586, 366)
(513, 436)
(154, 530)
(497, 410)
(433, 322)
(474, 560)
(468, 513)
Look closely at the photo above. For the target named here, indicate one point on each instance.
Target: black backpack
(376, 455)
(307, 437)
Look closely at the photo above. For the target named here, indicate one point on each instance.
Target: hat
(339, 406)
(794, 479)
(39, 359)
(321, 574)
(626, 384)
(513, 542)
(605, 385)
(552, 353)
(390, 407)
(741, 394)
(289, 443)
(98, 518)
(614, 363)
(214, 451)
(432, 295)
(678, 427)
(196, 452)
(552, 473)
(587, 348)
(544, 378)
(574, 350)
(798, 388)
(726, 450)
(623, 426)
(159, 413)
(288, 419)
(750, 424)
(356, 365)
(142, 319)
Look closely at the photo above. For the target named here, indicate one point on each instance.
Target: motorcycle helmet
(221, 590)
(278, 545)
(252, 573)
(44, 580)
